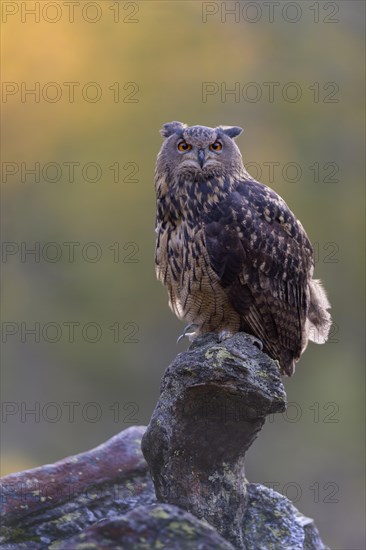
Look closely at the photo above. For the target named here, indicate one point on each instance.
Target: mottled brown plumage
(229, 250)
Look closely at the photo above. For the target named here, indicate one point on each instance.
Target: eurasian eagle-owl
(229, 250)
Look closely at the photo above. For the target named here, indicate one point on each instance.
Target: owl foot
(189, 335)
(225, 334)
(258, 343)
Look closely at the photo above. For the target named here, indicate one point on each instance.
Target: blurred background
(87, 332)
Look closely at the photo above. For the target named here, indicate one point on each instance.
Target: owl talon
(255, 341)
(225, 334)
(186, 333)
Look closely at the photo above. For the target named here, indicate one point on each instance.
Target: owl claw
(225, 334)
(186, 333)
(258, 343)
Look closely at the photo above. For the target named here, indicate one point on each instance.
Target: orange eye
(217, 146)
(183, 146)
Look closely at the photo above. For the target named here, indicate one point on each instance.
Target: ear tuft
(170, 128)
(231, 131)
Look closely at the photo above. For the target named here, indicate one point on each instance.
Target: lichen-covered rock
(270, 518)
(56, 501)
(160, 526)
(272, 522)
(214, 400)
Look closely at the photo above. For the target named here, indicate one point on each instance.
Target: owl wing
(263, 259)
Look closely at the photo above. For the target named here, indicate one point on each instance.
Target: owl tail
(319, 318)
(287, 362)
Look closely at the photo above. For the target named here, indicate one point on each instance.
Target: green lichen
(67, 518)
(187, 530)
(219, 355)
(262, 374)
(159, 513)
(57, 543)
(190, 371)
(17, 535)
(130, 486)
(87, 545)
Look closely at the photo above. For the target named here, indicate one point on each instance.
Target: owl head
(198, 152)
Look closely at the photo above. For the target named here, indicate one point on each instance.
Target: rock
(53, 502)
(271, 521)
(157, 526)
(213, 403)
(214, 399)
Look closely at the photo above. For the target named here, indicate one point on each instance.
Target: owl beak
(201, 157)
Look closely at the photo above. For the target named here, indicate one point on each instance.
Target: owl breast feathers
(229, 250)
